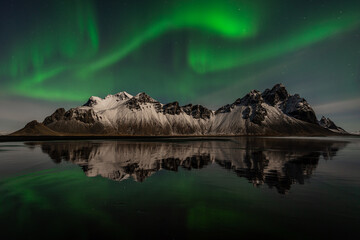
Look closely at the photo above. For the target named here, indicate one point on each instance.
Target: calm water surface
(232, 188)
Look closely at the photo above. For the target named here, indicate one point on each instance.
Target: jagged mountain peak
(172, 108)
(144, 98)
(292, 105)
(109, 100)
(299, 108)
(279, 88)
(198, 111)
(324, 119)
(123, 95)
(271, 112)
(254, 92)
(56, 116)
(92, 101)
(326, 122)
(277, 94)
(329, 124)
(253, 97)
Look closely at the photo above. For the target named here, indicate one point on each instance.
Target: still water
(230, 188)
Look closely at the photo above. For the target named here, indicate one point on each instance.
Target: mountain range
(271, 112)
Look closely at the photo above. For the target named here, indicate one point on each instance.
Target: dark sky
(59, 53)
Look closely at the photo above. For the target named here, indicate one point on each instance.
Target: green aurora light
(65, 53)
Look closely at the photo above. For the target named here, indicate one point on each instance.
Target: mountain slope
(124, 114)
(34, 128)
(273, 112)
(328, 124)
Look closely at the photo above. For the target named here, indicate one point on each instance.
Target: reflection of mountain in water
(276, 162)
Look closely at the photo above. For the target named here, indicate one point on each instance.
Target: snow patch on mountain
(273, 112)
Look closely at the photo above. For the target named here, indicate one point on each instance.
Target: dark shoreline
(8, 138)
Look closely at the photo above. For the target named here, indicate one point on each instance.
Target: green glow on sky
(204, 58)
(222, 19)
(77, 49)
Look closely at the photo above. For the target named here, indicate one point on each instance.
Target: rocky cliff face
(292, 105)
(272, 112)
(75, 120)
(327, 123)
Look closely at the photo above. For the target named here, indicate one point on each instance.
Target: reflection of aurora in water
(206, 202)
(261, 161)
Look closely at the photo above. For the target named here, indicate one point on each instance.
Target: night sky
(59, 53)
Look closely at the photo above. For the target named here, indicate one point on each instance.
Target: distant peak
(254, 92)
(280, 89)
(93, 100)
(277, 93)
(32, 124)
(197, 111)
(328, 123)
(253, 97)
(172, 108)
(141, 94)
(144, 98)
(279, 85)
(123, 95)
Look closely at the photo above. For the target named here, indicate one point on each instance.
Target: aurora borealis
(59, 53)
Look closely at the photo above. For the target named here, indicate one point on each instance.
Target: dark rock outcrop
(135, 102)
(299, 108)
(56, 116)
(292, 105)
(277, 94)
(197, 111)
(172, 108)
(75, 120)
(254, 110)
(327, 123)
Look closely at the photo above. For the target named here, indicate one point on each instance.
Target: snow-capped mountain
(131, 115)
(273, 112)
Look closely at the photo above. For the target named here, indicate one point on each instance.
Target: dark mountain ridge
(272, 112)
